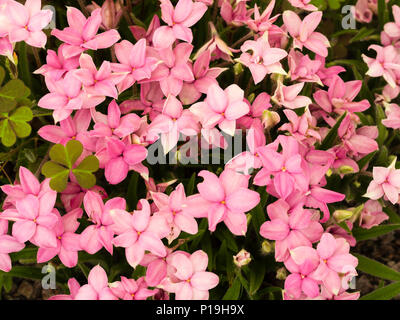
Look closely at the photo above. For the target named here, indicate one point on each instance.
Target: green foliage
(15, 125)
(11, 93)
(62, 163)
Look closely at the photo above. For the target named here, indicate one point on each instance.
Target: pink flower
(100, 83)
(222, 108)
(340, 96)
(290, 230)
(386, 182)
(334, 259)
(7, 48)
(141, 33)
(225, 199)
(301, 264)
(65, 96)
(263, 59)
(111, 12)
(179, 19)
(303, 32)
(393, 28)
(191, 281)
(288, 96)
(172, 208)
(173, 121)
(82, 33)
(70, 129)
(73, 194)
(133, 62)
(130, 289)
(303, 4)
(392, 120)
(8, 244)
(97, 287)
(302, 68)
(175, 69)
(385, 64)
(73, 286)
(139, 232)
(34, 219)
(68, 243)
(99, 234)
(57, 65)
(372, 215)
(27, 22)
(204, 78)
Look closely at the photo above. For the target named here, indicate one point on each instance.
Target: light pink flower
(392, 120)
(97, 287)
(191, 281)
(100, 233)
(139, 232)
(130, 289)
(73, 286)
(299, 227)
(27, 22)
(303, 4)
(288, 96)
(263, 59)
(303, 32)
(393, 28)
(8, 244)
(82, 34)
(386, 182)
(179, 19)
(372, 215)
(302, 68)
(222, 108)
(68, 242)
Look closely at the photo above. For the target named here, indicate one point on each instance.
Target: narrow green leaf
(366, 159)
(257, 273)
(385, 293)
(2, 75)
(332, 134)
(376, 268)
(233, 293)
(365, 234)
(393, 215)
(190, 186)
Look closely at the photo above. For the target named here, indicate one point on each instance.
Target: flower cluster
(305, 129)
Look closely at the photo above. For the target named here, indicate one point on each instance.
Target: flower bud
(237, 68)
(281, 274)
(342, 215)
(346, 170)
(267, 247)
(270, 119)
(242, 258)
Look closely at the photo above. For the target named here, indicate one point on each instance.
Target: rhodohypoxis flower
(335, 259)
(34, 219)
(392, 111)
(303, 4)
(288, 96)
(263, 59)
(372, 214)
(175, 69)
(302, 68)
(301, 264)
(386, 182)
(222, 108)
(69, 129)
(97, 287)
(82, 33)
(303, 32)
(340, 96)
(65, 96)
(393, 28)
(57, 65)
(179, 19)
(190, 280)
(99, 234)
(27, 22)
(139, 232)
(171, 122)
(172, 207)
(130, 289)
(73, 286)
(290, 230)
(111, 12)
(204, 78)
(68, 242)
(8, 244)
(225, 199)
(134, 62)
(385, 64)
(100, 82)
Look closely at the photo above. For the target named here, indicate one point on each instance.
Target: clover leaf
(63, 159)
(11, 93)
(15, 125)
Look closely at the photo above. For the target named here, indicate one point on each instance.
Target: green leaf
(85, 179)
(385, 293)
(332, 134)
(366, 159)
(24, 272)
(90, 163)
(8, 137)
(381, 13)
(257, 274)
(376, 268)
(365, 234)
(233, 293)
(10, 92)
(22, 114)
(74, 150)
(362, 34)
(59, 181)
(393, 216)
(190, 186)
(2, 75)
(21, 129)
(58, 154)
